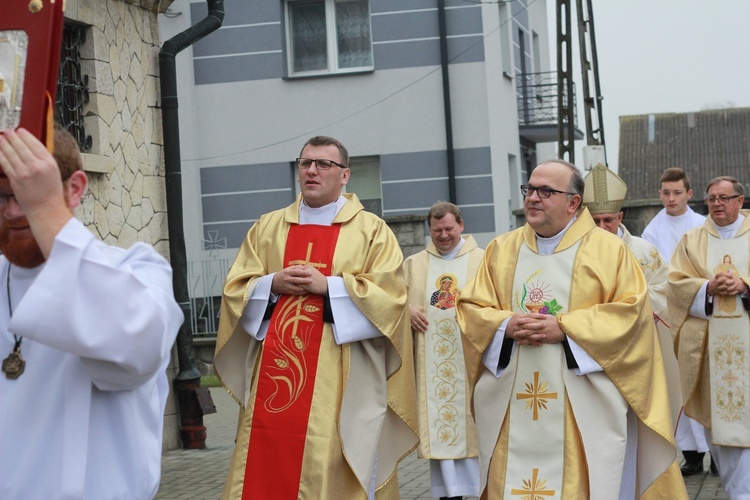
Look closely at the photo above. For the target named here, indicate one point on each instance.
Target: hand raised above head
(35, 181)
(32, 171)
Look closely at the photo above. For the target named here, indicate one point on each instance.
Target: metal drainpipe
(447, 103)
(194, 402)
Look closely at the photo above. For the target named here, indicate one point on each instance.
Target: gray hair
(737, 185)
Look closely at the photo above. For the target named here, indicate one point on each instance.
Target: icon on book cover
(14, 46)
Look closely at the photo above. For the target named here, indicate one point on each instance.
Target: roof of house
(706, 144)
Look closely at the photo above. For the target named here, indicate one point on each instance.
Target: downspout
(194, 402)
(447, 103)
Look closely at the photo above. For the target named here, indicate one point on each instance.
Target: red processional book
(30, 40)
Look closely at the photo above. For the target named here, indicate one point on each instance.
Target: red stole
(286, 374)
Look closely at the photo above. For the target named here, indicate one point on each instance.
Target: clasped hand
(726, 283)
(534, 329)
(299, 280)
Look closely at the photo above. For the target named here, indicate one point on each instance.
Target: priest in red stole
(314, 344)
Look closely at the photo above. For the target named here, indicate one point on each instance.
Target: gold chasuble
(446, 428)
(545, 432)
(714, 354)
(325, 424)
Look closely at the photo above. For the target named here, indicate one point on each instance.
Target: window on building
(506, 39)
(328, 36)
(365, 182)
(72, 85)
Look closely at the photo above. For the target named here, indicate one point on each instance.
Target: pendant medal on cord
(14, 364)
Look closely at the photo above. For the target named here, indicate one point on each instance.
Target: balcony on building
(537, 107)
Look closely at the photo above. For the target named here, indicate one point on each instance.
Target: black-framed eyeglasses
(4, 197)
(543, 191)
(723, 199)
(321, 163)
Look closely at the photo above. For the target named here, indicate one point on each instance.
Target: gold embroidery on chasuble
(283, 413)
(445, 372)
(729, 347)
(538, 405)
(292, 342)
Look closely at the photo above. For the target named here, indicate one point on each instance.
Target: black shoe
(692, 469)
(714, 470)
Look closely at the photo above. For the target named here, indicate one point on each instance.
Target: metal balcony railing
(536, 94)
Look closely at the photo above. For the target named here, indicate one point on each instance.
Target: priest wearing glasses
(570, 396)
(315, 345)
(708, 299)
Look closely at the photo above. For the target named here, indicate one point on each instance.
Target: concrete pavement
(200, 474)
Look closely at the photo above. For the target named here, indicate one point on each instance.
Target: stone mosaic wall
(126, 200)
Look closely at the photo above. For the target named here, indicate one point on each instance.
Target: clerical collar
(730, 230)
(546, 246)
(620, 232)
(452, 254)
(321, 215)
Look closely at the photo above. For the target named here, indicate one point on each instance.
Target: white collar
(730, 230)
(546, 246)
(452, 254)
(321, 215)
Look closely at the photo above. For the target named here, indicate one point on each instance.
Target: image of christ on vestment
(13, 48)
(727, 303)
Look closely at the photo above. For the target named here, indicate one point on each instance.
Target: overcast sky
(661, 56)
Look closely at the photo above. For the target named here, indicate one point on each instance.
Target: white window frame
(332, 53)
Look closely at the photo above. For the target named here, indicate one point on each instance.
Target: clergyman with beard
(86, 331)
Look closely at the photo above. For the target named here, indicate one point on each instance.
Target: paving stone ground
(200, 474)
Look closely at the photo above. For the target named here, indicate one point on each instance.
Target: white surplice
(664, 232)
(85, 419)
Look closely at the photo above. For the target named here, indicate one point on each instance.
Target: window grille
(72, 86)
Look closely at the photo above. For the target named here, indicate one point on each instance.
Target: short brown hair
(324, 140)
(736, 185)
(440, 209)
(67, 153)
(675, 174)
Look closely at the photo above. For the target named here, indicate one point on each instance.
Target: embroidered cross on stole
(286, 374)
(536, 413)
(729, 347)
